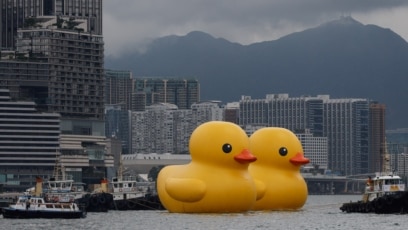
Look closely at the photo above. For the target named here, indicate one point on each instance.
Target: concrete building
(344, 122)
(347, 127)
(231, 112)
(315, 149)
(377, 136)
(53, 54)
(399, 163)
(58, 58)
(16, 14)
(29, 142)
(207, 111)
(164, 128)
(295, 114)
(118, 126)
(119, 88)
(178, 91)
(86, 158)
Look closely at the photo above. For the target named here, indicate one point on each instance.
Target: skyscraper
(377, 136)
(16, 14)
(58, 59)
(119, 88)
(344, 122)
(29, 142)
(178, 91)
(346, 125)
(52, 53)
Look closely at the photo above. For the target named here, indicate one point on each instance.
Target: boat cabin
(59, 185)
(128, 184)
(381, 184)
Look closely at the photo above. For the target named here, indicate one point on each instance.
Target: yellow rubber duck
(277, 169)
(217, 178)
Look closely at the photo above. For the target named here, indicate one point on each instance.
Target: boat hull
(98, 202)
(27, 214)
(387, 204)
(141, 203)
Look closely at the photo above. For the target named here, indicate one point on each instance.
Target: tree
(154, 172)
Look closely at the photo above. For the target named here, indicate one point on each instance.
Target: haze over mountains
(342, 58)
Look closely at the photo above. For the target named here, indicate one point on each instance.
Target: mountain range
(342, 58)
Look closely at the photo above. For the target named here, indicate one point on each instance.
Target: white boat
(36, 207)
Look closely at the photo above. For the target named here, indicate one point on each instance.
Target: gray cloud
(129, 24)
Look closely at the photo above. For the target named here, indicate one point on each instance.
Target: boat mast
(58, 168)
(386, 159)
(120, 169)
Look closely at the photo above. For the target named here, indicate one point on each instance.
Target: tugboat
(97, 201)
(62, 188)
(384, 194)
(132, 194)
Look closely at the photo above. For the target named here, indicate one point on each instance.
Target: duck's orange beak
(299, 159)
(245, 157)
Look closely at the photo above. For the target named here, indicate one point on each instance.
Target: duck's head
(220, 143)
(277, 147)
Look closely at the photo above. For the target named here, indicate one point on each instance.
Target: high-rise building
(119, 88)
(163, 128)
(231, 112)
(344, 122)
(377, 137)
(58, 60)
(117, 126)
(53, 54)
(177, 91)
(315, 149)
(29, 142)
(347, 127)
(207, 111)
(16, 14)
(297, 113)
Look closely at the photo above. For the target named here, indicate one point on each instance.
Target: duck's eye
(227, 148)
(283, 151)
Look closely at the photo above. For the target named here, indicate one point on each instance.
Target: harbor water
(320, 212)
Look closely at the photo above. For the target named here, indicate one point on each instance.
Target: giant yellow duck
(277, 169)
(217, 178)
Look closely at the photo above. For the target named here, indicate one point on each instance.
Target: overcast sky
(129, 24)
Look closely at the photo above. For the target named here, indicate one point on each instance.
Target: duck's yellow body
(277, 170)
(217, 178)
